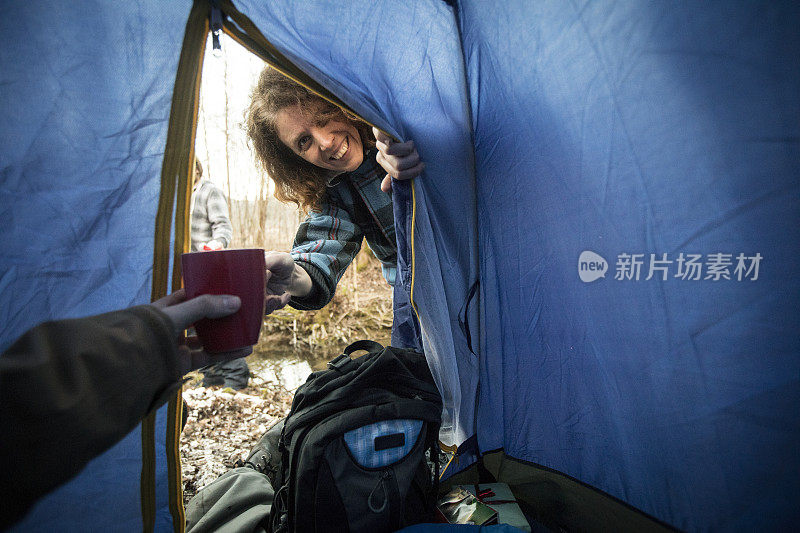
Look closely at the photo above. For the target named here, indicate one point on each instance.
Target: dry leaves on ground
(223, 425)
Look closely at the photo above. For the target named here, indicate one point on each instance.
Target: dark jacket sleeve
(71, 389)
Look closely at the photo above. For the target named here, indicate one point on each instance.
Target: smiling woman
(292, 131)
(325, 160)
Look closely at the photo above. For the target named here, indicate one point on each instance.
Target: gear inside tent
(602, 251)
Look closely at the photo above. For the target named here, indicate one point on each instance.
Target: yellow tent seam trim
(183, 206)
(174, 191)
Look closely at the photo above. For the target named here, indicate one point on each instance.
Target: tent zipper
(216, 27)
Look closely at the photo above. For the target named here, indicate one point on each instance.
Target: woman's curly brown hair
(296, 180)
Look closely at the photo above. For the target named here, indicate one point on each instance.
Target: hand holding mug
(286, 279)
(183, 313)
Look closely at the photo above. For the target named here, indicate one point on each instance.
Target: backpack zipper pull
(381, 483)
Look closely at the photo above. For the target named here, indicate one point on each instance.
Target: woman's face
(334, 146)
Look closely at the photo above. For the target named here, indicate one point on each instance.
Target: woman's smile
(338, 155)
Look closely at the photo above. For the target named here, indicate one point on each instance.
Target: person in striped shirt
(211, 225)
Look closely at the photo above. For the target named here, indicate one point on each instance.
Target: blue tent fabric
(567, 145)
(83, 120)
(641, 128)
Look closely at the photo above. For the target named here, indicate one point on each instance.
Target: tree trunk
(227, 135)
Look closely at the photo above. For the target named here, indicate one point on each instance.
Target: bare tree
(227, 133)
(204, 120)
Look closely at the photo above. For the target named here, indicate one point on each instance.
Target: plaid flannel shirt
(210, 220)
(353, 208)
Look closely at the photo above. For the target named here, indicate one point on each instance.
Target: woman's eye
(303, 142)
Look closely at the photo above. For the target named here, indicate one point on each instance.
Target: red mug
(240, 272)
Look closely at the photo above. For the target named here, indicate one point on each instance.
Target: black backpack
(354, 445)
